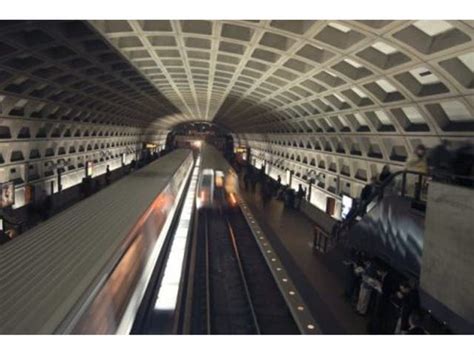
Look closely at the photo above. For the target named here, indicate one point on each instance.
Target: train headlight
(232, 200)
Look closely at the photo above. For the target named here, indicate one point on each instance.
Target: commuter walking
(368, 189)
(384, 174)
(440, 159)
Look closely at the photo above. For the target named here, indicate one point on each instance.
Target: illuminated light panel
(468, 60)
(456, 111)
(433, 27)
(360, 119)
(332, 74)
(339, 27)
(383, 117)
(413, 115)
(353, 63)
(384, 48)
(359, 92)
(386, 86)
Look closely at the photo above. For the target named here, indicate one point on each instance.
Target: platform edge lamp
(89, 166)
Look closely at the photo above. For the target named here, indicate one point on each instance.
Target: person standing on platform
(108, 175)
(247, 179)
(253, 181)
(380, 320)
(354, 267)
(414, 324)
(366, 288)
(366, 193)
(300, 195)
(266, 192)
(409, 301)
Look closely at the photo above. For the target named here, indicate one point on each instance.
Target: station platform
(318, 278)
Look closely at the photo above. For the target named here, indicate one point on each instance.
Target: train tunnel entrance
(193, 134)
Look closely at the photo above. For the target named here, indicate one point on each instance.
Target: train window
(219, 179)
(206, 180)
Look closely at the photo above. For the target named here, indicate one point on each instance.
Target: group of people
(443, 159)
(441, 162)
(389, 301)
(270, 188)
(290, 197)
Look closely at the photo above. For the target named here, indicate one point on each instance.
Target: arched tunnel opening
(192, 134)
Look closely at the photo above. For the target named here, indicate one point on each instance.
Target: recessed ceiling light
(433, 28)
(339, 27)
(384, 48)
(353, 63)
(386, 86)
(468, 60)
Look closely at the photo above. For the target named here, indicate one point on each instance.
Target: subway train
(205, 195)
(85, 271)
(217, 189)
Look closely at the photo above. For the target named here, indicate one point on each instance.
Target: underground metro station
(237, 177)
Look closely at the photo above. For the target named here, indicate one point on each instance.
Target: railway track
(234, 291)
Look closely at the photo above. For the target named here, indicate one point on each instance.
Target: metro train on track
(212, 182)
(85, 270)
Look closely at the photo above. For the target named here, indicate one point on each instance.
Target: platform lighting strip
(302, 316)
(169, 288)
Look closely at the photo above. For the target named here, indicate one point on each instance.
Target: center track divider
(301, 314)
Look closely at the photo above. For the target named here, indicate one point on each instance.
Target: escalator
(421, 227)
(389, 225)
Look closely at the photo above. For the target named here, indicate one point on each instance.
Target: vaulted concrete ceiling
(344, 97)
(65, 70)
(308, 76)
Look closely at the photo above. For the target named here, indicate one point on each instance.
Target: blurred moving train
(215, 187)
(86, 269)
(205, 196)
